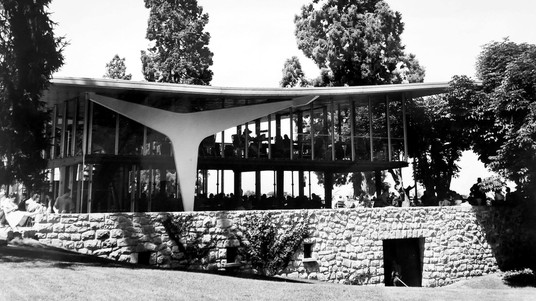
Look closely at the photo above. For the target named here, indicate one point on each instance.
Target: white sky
(252, 38)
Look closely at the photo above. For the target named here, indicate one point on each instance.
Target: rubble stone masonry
(345, 244)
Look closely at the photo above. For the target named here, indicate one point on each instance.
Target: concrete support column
(301, 183)
(280, 183)
(258, 183)
(187, 130)
(328, 188)
(237, 183)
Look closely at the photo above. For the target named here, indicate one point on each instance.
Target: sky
(251, 39)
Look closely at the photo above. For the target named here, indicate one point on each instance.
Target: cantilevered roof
(194, 98)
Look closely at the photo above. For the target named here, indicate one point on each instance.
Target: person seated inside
(14, 217)
(33, 204)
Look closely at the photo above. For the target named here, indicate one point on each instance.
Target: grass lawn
(31, 272)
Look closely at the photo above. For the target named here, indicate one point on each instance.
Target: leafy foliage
(507, 110)
(190, 244)
(268, 247)
(357, 278)
(29, 54)
(491, 183)
(520, 278)
(293, 74)
(358, 41)
(441, 128)
(354, 42)
(116, 69)
(180, 53)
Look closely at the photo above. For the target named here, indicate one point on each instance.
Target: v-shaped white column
(187, 130)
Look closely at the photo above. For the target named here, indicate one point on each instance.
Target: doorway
(402, 261)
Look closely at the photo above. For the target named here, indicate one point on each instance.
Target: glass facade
(129, 167)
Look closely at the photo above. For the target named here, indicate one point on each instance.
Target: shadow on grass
(247, 275)
(27, 251)
(23, 252)
(523, 278)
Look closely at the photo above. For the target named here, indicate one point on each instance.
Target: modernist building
(140, 146)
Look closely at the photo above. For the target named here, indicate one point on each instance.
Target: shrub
(268, 247)
(358, 278)
(524, 277)
(188, 242)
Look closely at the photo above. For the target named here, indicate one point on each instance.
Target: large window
(103, 130)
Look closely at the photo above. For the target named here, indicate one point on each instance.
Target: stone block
(88, 235)
(124, 242)
(224, 223)
(124, 258)
(58, 227)
(102, 234)
(38, 236)
(102, 252)
(149, 246)
(64, 236)
(92, 244)
(69, 218)
(117, 233)
(44, 228)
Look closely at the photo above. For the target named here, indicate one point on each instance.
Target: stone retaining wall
(346, 244)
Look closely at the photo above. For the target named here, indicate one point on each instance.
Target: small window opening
(144, 258)
(307, 250)
(232, 253)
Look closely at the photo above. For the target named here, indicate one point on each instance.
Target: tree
(507, 117)
(29, 54)
(293, 74)
(180, 52)
(357, 40)
(441, 128)
(507, 111)
(116, 69)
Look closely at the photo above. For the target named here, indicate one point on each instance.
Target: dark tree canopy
(179, 52)
(507, 110)
(440, 128)
(358, 40)
(116, 69)
(29, 54)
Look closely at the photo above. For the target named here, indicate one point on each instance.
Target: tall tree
(441, 128)
(355, 42)
(293, 74)
(117, 69)
(29, 54)
(506, 137)
(358, 40)
(179, 52)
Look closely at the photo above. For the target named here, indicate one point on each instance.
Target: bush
(358, 278)
(269, 248)
(190, 244)
(520, 278)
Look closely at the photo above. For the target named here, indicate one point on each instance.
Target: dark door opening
(402, 261)
(144, 258)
